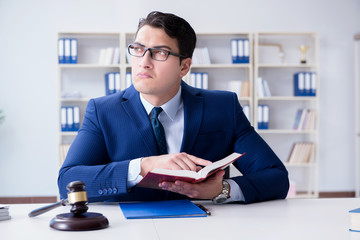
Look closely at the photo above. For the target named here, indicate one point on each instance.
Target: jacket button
(110, 191)
(100, 192)
(105, 191)
(114, 190)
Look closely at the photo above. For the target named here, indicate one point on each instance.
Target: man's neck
(157, 100)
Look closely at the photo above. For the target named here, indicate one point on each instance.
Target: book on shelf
(242, 88)
(301, 152)
(263, 89)
(199, 80)
(305, 119)
(70, 118)
(109, 56)
(263, 118)
(4, 212)
(355, 220)
(73, 50)
(67, 50)
(201, 56)
(305, 84)
(161, 209)
(153, 178)
(128, 79)
(240, 50)
(63, 150)
(112, 83)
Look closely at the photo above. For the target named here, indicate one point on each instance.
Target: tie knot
(156, 111)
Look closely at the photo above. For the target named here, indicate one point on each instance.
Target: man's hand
(204, 190)
(176, 161)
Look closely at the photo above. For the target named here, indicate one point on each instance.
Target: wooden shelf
(278, 69)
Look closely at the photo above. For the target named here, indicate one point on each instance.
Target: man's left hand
(208, 189)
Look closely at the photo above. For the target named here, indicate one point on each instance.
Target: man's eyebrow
(159, 46)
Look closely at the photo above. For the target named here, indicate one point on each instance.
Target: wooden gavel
(78, 219)
(77, 198)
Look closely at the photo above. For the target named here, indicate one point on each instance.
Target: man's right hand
(175, 161)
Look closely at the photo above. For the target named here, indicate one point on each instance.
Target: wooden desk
(283, 219)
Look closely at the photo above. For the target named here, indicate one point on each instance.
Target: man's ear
(185, 66)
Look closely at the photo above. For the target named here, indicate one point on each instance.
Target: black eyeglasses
(157, 54)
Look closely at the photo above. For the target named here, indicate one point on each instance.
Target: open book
(156, 176)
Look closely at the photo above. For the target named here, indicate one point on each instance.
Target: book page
(219, 164)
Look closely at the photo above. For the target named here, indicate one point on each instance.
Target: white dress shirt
(172, 119)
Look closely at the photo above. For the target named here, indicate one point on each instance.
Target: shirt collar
(170, 107)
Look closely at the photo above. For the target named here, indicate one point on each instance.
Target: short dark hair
(175, 27)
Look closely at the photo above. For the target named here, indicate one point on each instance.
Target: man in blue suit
(117, 144)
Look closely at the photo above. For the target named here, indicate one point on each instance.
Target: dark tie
(158, 130)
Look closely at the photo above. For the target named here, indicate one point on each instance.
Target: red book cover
(156, 176)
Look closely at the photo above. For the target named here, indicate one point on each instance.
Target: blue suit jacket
(116, 129)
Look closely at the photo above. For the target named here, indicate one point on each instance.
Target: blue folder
(161, 209)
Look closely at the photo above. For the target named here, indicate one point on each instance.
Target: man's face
(157, 81)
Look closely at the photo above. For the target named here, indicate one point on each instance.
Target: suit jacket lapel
(193, 114)
(138, 115)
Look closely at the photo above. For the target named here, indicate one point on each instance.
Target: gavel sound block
(78, 219)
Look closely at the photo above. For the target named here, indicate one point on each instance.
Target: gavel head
(77, 197)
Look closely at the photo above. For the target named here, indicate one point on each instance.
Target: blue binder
(76, 112)
(299, 84)
(161, 209)
(73, 50)
(234, 50)
(63, 119)
(260, 116)
(246, 58)
(69, 119)
(110, 83)
(117, 80)
(128, 79)
(61, 51)
(307, 85)
(313, 84)
(266, 115)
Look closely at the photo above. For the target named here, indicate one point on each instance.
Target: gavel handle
(42, 210)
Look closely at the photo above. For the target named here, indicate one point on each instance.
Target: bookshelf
(276, 59)
(78, 83)
(221, 71)
(357, 114)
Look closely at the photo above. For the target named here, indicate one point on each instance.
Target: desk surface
(282, 219)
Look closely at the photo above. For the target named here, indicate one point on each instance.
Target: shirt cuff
(236, 194)
(134, 176)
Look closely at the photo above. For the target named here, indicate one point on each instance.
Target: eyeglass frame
(151, 56)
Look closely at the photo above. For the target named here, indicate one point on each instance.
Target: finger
(218, 176)
(198, 161)
(184, 162)
(180, 187)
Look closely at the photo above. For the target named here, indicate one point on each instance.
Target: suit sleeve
(264, 175)
(87, 161)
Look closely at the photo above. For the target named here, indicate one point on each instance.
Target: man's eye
(138, 49)
(159, 52)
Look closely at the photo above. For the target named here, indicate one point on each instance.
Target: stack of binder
(240, 50)
(263, 116)
(68, 50)
(305, 84)
(70, 118)
(199, 80)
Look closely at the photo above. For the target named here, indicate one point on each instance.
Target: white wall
(28, 137)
